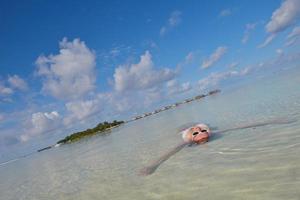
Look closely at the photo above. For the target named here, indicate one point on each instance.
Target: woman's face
(199, 135)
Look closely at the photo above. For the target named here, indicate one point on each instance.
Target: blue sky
(66, 65)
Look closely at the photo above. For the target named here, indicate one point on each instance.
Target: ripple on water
(259, 163)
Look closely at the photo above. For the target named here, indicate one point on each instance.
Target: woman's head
(199, 133)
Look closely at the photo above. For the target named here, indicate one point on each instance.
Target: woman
(200, 134)
(197, 134)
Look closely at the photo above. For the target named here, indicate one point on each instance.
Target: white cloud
(249, 28)
(141, 75)
(173, 87)
(215, 78)
(233, 65)
(7, 87)
(69, 74)
(5, 91)
(163, 31)
(137, 100)
(115, 52)
(173, 21)
(284, 16)
(246, 71)
(175, 18)
(118, 102)
(279, 62)
(190, 57)
(136, 86)
(80, 110)
(151, 96)
(215, 57)
(279, 52)
(18, 83)
(111, 103)
(295, 32)
(41, 123)
(267, 41)
(225, 13)
(293, 36)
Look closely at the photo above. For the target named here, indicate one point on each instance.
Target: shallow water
(255, 163)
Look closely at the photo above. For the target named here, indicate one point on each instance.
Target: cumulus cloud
(173, 21)
(41, 123)
(81, 109)
(247, 32)
(137, 100)
(118, 102)
(225, 13)
(141, 75)
(173, 87)
(8, 87)
(150, 96)
(18, 83)
(111, 103)
(282, 18)
(69, 74)
(135, 86)
(293, 36)
(5, 91)
(215, 57)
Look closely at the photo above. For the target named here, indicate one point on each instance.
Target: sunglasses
(203, 131)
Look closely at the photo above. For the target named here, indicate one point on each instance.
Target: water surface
(257, 163)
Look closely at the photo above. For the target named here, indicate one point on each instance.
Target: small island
(100, 128)
(103, 128)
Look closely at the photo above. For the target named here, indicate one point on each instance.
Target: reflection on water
(253, 163)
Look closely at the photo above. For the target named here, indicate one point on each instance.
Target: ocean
(261, 162)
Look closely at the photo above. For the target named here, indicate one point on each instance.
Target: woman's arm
(257, 124)
(152, 167)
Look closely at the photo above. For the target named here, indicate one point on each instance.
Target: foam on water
(254, 163)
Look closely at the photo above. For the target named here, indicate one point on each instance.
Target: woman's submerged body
(200, 134)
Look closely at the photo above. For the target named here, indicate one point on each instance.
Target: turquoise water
(257, 163)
